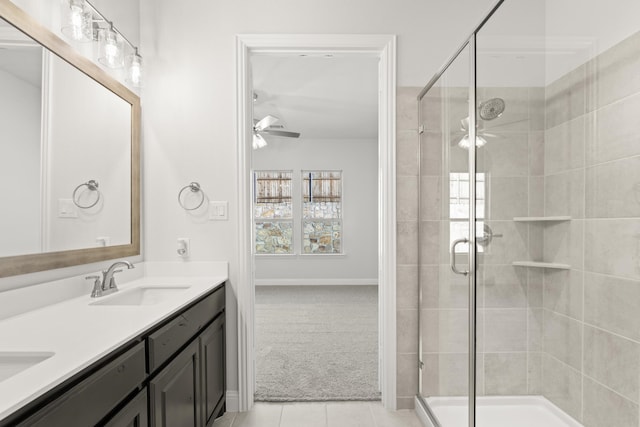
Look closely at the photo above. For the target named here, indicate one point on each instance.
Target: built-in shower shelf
(541, 265)
(541, 218)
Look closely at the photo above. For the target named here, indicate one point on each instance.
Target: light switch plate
(66, 209)
(218, 211)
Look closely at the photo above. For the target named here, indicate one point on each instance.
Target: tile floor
(319, 414)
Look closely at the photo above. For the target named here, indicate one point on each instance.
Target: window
(322, 212)
(459, 207)
(272, 212)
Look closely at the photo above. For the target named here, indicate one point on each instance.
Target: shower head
(491, 109)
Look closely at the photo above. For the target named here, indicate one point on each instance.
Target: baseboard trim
(232, 400)
(315, 282)
(422, 414)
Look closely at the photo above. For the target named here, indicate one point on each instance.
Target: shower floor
(501, 411)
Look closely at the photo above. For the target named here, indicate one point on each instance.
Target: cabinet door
(175, 391)
(134, 414)
(212, 348)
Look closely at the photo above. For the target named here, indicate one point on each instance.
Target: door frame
(384, 46)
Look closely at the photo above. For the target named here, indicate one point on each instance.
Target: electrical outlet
(103, 241)
(184, 247)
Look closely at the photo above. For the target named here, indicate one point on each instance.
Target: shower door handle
(453, 256)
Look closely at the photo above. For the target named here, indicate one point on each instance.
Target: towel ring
(91, 185)
(195, 188)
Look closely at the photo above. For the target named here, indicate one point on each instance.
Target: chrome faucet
(108, 284)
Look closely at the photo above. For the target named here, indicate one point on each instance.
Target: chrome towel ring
(92, 185)
(195, 188)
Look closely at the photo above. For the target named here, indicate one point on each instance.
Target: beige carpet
(316, 343)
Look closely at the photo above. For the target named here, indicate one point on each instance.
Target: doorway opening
(300, 227)
(314, 165)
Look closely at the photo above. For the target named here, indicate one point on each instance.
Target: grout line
(616, 334)
(609, 389)
(326, 415)
(375, 422)
(628, 279)
(565, 365)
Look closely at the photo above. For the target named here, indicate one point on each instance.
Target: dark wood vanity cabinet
(172, 375)
(189, 390)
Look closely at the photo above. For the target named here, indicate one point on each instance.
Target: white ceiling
(322, 97)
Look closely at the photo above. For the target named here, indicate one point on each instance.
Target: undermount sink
(12, 363)
(143, 295)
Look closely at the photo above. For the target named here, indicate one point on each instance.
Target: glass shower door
(444, 228)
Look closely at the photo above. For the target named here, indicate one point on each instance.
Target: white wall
(19, 166)
(358, 161)
(89, 137)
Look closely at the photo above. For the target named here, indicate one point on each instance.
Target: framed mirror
(69, 154)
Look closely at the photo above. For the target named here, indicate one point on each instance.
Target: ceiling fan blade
(499, 125)
(265, 122)
(285, 133)
(491, 135)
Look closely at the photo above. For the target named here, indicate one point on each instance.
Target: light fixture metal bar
(113, 27)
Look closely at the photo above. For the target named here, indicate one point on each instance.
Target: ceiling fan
(268, 126)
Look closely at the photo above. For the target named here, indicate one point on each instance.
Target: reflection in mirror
(20, 124)
(67, 124)
(60, 129)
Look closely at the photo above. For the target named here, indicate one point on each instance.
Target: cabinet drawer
(91, 400)
(171, 337)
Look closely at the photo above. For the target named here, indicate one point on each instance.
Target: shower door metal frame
(472, 253)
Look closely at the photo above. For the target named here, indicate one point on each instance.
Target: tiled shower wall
(591, 315)
(509, 298)
(407, 245)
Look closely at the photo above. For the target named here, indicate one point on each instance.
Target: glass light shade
(134, 69)
(465, 142)
(258, 141)
(77, 20)
(110, 48)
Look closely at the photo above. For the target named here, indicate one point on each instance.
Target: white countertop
(80, 334)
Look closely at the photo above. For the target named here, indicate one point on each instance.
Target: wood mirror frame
(22, 264)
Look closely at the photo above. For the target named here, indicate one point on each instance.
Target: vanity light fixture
(134, 68)
(77, 20)
(83, 22)
(110, 43)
